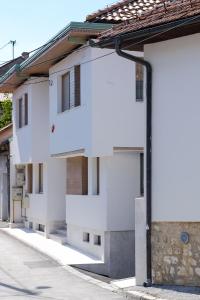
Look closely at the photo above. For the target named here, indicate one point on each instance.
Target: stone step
(58, 237)
(16, 225)
(61, 231)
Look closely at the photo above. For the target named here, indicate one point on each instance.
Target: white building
(5, 137)
(80, 136)
(170, 39)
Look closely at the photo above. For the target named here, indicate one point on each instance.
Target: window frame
(62, 102)
(139, 82)
(40, 178)
(22, 111)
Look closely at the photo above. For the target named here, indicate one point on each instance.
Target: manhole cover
(41, 264)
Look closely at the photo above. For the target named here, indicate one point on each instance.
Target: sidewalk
(67, 256)
(63, 254)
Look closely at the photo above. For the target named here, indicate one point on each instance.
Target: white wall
(113, 208)
(123, 186)
(48, 208)
(56, 185)
(3, 188)
(117, 119)
(31, 141)
(108, 116)
(72, 128)
(86, 211)
(176, 123)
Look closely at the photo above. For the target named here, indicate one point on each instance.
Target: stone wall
(173, 261)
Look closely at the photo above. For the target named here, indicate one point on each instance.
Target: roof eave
(136, 40)
(89, 29)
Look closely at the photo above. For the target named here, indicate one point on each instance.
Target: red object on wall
(52, 128)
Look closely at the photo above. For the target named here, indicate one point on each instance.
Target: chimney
(25, 55)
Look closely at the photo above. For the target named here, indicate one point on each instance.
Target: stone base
(173, 261)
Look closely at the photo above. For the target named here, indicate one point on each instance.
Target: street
(27, 274)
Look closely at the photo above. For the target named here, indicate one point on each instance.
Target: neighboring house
(5, 145)
(5, 137)
(169, 35)
(78, 139)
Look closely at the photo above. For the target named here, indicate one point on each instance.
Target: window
(86, 237)
(95, 175)
(70, 89)
(142, 174)
(65, 103)
(20, 112)
(40, 178)
(97, 240)
(23, 111)
(98, 177)
(139, 81)
(77, 175)
(77, 85)
(30, 178)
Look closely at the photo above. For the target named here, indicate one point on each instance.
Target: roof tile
(164, 12)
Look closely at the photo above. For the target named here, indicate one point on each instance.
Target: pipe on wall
(148, 67)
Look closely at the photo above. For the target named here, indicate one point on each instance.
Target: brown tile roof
(164, 12)
(5, 67)
(122, 11)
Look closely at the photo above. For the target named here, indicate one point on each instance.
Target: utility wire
(102, 56)
(4, 45)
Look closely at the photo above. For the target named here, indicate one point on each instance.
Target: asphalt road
(27, 274)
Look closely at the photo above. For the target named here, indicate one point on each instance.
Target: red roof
(164, 12)
(122, 11)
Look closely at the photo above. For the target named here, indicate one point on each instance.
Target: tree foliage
(5, 112)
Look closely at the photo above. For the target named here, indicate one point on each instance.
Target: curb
(135, 295)
(129, 295)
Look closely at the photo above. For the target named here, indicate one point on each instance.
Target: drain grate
(41, 264)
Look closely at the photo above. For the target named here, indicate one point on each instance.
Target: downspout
(148, 68)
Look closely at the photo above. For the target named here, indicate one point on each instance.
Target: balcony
(87, 211)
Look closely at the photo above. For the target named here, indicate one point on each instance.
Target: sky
(33, 23)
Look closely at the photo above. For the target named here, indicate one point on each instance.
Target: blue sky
(32, 23)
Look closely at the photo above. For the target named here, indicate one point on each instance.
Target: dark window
(139, 82)
(65, 98)
(97, 240)
(86, 237)
(26, 109)
(77, 85)
(40, 178)
(30, 178)
(20, 112)
(142, 174)
(23, 111)
(98, 175)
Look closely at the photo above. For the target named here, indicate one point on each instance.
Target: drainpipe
(148, 68)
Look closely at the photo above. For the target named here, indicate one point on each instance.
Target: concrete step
(16, 225)
(40, 232)
(58, 237)
(61, 231)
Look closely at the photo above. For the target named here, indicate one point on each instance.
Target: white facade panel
(31, 141)
(176, 123)
(108, 116)
(86, 211)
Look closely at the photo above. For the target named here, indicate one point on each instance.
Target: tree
(5, 112)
